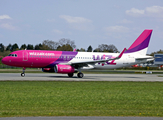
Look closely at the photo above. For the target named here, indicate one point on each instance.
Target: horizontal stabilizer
(145, 58)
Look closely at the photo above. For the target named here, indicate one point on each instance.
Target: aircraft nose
(4, 60)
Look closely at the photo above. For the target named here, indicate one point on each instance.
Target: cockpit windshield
(13, 55)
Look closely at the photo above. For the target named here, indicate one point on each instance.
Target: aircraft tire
(22, 74)
(70, 74)
(80, 75)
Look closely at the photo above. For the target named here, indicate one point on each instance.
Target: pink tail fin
(141, 42)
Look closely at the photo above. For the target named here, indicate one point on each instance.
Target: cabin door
(25, 56)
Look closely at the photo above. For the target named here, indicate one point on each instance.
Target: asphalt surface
(87, 77)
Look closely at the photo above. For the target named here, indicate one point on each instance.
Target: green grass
(36, 98)
(160, 76)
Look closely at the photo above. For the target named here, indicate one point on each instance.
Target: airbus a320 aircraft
(72, 62)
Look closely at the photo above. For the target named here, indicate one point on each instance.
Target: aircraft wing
(86, 63)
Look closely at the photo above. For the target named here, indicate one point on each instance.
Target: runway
(87, 77)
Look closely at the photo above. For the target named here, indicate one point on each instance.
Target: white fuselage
(126, 60)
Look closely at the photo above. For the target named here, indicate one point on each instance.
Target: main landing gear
(23, 74)
(80, 74)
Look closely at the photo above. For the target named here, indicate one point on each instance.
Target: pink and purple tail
(141, 43)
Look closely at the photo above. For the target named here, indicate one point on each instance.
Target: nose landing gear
(23, 74)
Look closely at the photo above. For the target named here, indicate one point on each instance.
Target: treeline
(157, 52)
(45, 45)
(61, 45)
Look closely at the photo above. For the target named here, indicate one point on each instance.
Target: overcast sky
(87, 22)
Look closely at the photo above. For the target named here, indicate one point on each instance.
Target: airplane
(70, 62)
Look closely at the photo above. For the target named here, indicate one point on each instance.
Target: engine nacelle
(60, 69)
(64, 69)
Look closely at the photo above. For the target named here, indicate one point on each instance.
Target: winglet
(120, 55)
(74, 50)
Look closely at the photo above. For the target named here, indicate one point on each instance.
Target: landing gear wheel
(80, 75)
(22, 74)
(70, 74)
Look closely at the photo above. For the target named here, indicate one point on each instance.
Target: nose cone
(4, 60)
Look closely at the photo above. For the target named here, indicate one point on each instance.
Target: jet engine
(64, 69)
(60, 69)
